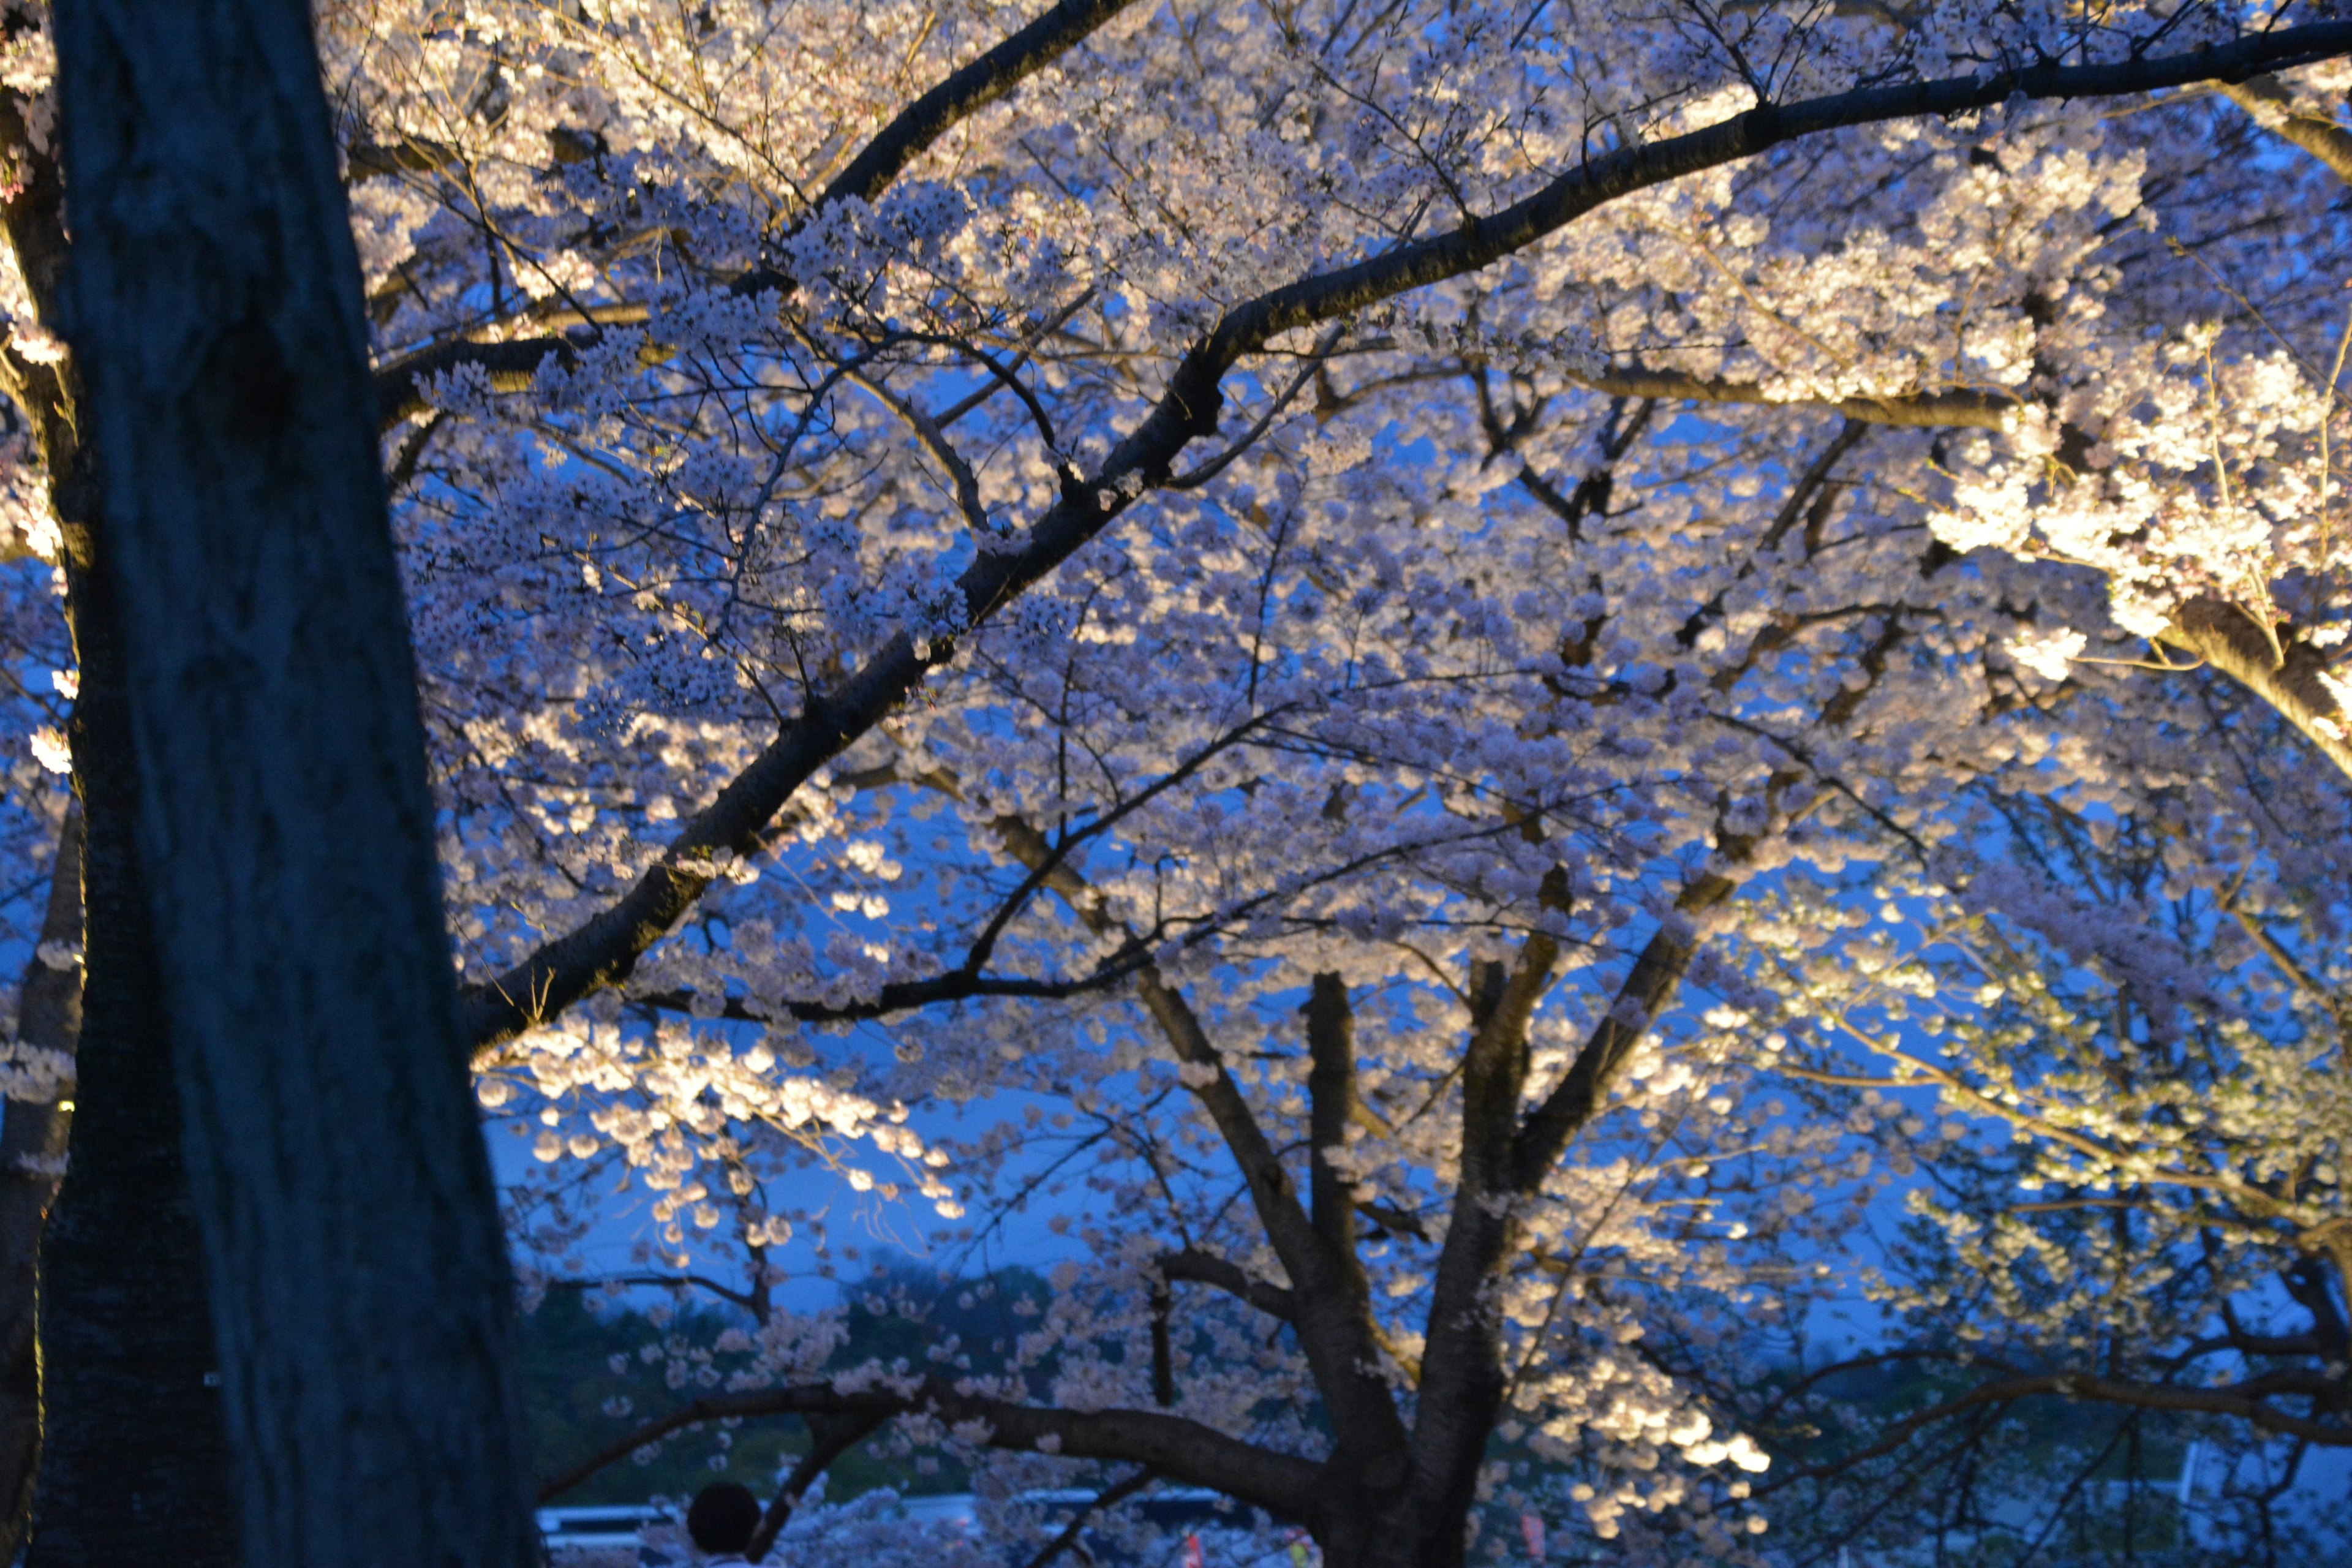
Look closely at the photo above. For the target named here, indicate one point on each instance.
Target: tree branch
(2266, 98)
(508, 366)
(2224, 1401)
(907, 995)
(1461, 1364)
(1116, 1492)
(1331, 1303)
(964, 93)
(1331, 1096)
(368, 160)
(1283, 1484)
(1606, 1052)
(1483, 241)
(1916, 410)
(2286, 674)
(1272, 1191)
(608, 945)
(830, 1437)
(399, 387)
(1207, 1268)
(1657, 973)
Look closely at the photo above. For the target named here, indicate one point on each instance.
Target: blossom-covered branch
(606, 948)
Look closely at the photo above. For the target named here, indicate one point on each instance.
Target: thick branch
(2267, 100)
(907, 995)
(367, 160)
(1282, 1484)
(1333, 1322)
(1607, 1051)
(1461, 1366)
(1208, 1268)
(2287, 675)
(830, 1437)
(1590, 184)
(2307, 1282)
(1345, 290)
(508, 367)
(964, 93)
(1331, 1094)
(35, 212)
(1917, 410)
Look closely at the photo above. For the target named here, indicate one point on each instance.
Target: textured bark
(360, 1296)
(33, 1140)
(130, 1464)
(2284, 674)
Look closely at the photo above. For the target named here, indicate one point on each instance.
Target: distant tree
(2145, 1021)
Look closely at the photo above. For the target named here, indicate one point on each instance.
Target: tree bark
(132, 1467)
(32, 1139)
(129, 1454)
(361, 1300)
(2267, 100)
(2287, 675)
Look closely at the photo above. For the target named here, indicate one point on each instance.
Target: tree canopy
(1501, 694)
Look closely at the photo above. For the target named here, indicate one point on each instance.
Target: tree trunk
(359, 1294)
(32, 1139)
(128, 1446)
(132, 1467)
(1362, 1526)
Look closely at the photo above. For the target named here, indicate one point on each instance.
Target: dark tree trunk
(131, 1465)
(32, 1139)
(129, 1454)
(359, 1295)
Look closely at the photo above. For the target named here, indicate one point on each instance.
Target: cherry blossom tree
(2139, 1015)
(961, 553)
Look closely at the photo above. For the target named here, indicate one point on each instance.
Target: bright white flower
(35, 341)
(52, 749)
(2049, 655)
